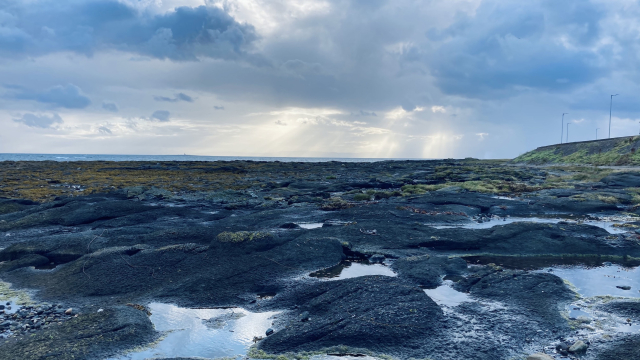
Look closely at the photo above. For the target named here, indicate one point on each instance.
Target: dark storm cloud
(39, 121)
(68, 96)
(509, 44)
(161, 115)
(178, 97)
(46, 26)
(110, 107)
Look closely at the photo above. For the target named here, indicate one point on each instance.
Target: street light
(568, 132)
(610, 105)
(597, 133)
(562, 127)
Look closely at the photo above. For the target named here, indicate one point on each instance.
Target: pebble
(269, 331)
(69, 311)
(624, 287)
(578, 347)
(304, 316)
(31, 318)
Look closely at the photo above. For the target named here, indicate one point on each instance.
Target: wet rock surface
(378, 313)
(249, 235)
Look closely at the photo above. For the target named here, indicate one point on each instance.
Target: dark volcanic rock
(89, 336)
(378, 313)
(25, 261)
(539, 295)
(623, 179)
(532, 238)
(218, 273)
(14, 205)
(629, 308)
(626, 348)
(427, 271)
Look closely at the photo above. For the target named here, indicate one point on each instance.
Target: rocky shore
(448, 259)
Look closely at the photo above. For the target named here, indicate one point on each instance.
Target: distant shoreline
(102, 157)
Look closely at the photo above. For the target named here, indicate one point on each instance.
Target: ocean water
(98, 157)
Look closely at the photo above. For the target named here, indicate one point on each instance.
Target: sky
(317, 78)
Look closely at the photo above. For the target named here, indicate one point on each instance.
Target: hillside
(616, 151)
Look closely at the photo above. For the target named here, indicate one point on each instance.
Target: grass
(361, 197)
(488, 186)
(620, 151)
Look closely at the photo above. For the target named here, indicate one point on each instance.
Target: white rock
(539, 356)
(578, 347)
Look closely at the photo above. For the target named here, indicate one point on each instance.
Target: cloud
(39, 121)
(178, 97)
(218, 107)
(509, 45)
(438, 109)
(367, 113)
(185, 33)
(161, 115)
(482, 135)
(110, 107)
(281, 123)
(68, 96)
(104, 130)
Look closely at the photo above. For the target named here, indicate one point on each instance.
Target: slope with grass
(613, 152)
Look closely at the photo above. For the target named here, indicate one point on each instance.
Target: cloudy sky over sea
(333, 78)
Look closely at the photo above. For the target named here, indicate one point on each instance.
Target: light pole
(567, 132)
(562, 127)
(610, 105)
(597, 133)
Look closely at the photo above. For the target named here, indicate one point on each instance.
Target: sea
(99, 157)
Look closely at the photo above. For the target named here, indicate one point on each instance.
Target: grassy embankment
(606, 152)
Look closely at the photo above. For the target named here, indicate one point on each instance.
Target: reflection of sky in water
(602, 280)
(445, 295)
(607, 225)
(576, 311)
(310, 225)
(347, 269)
(190, 337)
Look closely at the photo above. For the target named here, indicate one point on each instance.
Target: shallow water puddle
(601, 281)
(535, 262)
(445, 295)
(351, 269)
(203, 333)
(310, 225)
(506, 198)
(11, 307)
(611, 225)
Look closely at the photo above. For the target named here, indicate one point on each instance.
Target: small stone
(624, 287)
(69, 311)
(100, 310)
(578, 347)
(539, 356)
(269, 331)
(377, 259)
(562, 349)
(304, 316)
